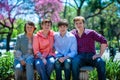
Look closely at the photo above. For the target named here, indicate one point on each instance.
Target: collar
(84, 32)
(66, 34)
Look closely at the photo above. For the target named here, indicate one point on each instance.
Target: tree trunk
(78, 11)
(118, 45)
(102, 26)
(8, 39)
(65, 9)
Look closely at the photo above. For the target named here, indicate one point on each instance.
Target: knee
(67, 64)
(57, 64)
(29, 61)
(52, 60)
(75, 63)
(18, 67)
(39, 64)
(100, 62)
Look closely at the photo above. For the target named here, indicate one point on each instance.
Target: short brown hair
(29, 23)
(46, 21)
(78, 18)
(63, 22)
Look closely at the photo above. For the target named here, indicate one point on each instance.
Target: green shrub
(93, 75)
(6, 69)
(6, 66)
(112, 71)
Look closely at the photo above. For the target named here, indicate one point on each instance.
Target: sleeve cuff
(39, 54)
(20, 59)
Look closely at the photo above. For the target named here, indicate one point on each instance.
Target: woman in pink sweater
(43, 50)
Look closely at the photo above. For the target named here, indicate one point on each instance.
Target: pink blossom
(48, 8)
(1, 17)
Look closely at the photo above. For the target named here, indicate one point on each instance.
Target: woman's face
(30, 29)
(46, 26)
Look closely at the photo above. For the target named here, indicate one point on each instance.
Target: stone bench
(36, 77)
(84, 72)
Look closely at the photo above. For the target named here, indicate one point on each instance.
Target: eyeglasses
(46, 22)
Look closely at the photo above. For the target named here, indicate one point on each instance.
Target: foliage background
(101, 15)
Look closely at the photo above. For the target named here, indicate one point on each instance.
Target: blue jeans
(45, 70)
(84, 59)
(19, 69)
(66, 66)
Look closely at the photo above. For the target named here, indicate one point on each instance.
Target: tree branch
(68, 3)
(4, 25)
(100, 10)
(3, 32)
(76, 3)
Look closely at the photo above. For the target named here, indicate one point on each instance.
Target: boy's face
(79, 24)
(63, 29)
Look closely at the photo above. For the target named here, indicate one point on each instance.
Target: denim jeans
(66, 66)
(19, 69)
(84, 59)
(45, 70)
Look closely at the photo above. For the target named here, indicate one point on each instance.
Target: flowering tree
(48, 8)
(9, 11)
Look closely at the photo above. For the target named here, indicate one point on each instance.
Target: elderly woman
(24, 53)
(43, 50)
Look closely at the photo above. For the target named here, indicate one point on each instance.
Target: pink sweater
(43, 44)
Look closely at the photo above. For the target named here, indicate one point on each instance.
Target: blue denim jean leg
(86, 60)
(66, 66)
(45, 70)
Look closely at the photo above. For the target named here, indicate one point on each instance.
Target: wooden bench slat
(83, 75)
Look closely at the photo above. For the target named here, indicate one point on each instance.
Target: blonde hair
(46, 21)
(79, 18)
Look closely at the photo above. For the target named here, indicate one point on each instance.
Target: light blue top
(66, 45)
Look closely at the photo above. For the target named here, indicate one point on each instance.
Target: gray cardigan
(21, 48)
